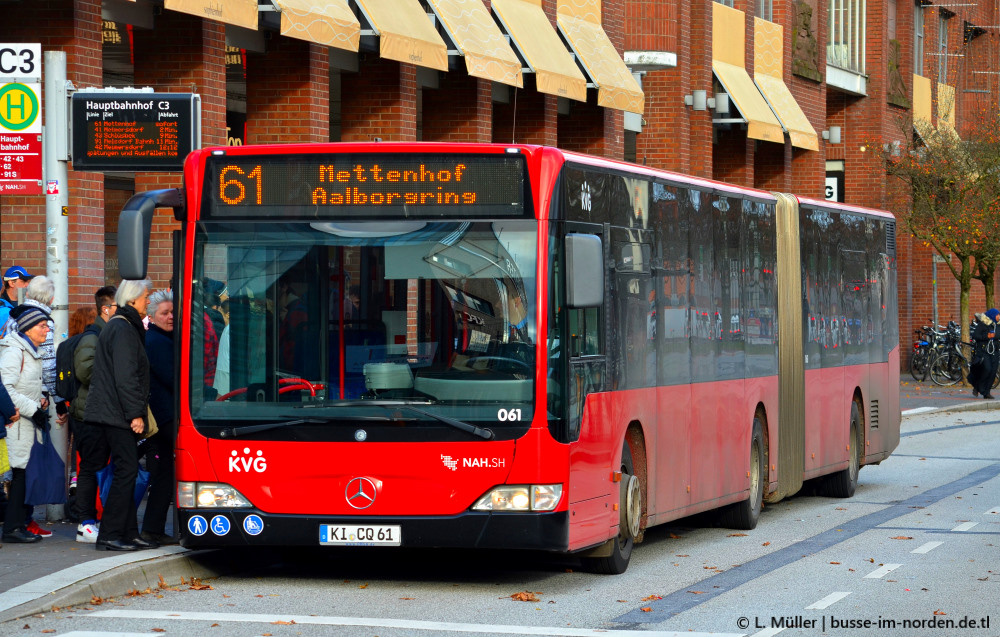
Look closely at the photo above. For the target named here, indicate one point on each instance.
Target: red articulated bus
(511, 346)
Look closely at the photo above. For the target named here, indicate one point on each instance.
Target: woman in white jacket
(21, 370)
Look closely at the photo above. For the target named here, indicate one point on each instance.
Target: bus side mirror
(134, 226)
(584, 271)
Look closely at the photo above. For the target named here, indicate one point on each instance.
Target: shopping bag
(105, 475)
(4, 461)
(45, 475)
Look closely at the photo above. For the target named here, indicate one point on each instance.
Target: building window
(918, 37)
(846, 47)
(765, 10)
(890, 9)
(728, 3)
(943, 48)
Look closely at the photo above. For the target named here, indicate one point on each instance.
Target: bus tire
(630, 514)
(843, 483)
(744, 515)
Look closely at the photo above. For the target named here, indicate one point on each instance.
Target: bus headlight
(524, 497)
(209, 495)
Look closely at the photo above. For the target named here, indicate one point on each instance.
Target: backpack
(67, 384)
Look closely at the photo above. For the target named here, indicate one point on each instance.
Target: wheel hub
(631, 509)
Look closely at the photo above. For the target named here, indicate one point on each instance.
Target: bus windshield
(403, 326)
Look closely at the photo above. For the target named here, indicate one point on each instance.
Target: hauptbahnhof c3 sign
(20, 119)
(134, 130)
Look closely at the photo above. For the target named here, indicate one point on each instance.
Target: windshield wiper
(235, 432)
(485, 434)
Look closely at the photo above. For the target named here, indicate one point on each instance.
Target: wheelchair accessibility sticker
(197, 525)
(220, 525)
(253, 524)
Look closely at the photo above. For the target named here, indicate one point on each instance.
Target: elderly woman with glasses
(21, 370)
(116, 406)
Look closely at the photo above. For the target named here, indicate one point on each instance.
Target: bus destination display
(366, 185)
(133, 130)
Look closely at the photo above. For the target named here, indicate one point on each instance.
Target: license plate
(359, 535)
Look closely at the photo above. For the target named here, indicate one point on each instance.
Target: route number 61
(512, 415)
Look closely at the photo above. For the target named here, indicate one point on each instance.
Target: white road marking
(927, 548)
(828, 601)
(402, 624)
(882, 571)
(965, 526)
(94, 633)
(768, 632)
(918, 410)
(994, 511)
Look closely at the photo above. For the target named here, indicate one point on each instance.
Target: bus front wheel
(629, 522)
(744, 515)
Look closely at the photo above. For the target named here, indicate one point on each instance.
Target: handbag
(105, 475)
(151, 426)
(45, 475)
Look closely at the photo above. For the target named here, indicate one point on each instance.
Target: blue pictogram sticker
(197, 525)
(253, 524)
(220, 525)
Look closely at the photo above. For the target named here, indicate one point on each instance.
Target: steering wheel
(503, 360)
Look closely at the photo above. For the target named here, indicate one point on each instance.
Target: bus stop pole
(55, 144)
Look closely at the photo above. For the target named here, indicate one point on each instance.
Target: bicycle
(950, 364)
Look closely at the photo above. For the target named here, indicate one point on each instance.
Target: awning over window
(241, 13)
(487, 54)
(728, 47)
(768, 75)
(405, 33)
(326, 22)
(555, 70)
(580, 24)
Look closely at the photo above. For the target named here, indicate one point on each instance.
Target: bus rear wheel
(744, 515)
(843, 483)
(629, 522)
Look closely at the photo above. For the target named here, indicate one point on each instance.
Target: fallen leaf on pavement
(940, 612)
(697, 592)
(283, 623)
(737, 535)
(901, 537)
(647, 609)
(524, 596)
(651, 598)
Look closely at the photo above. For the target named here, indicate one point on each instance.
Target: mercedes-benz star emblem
(360, 493)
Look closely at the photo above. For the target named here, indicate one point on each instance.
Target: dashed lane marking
(828, 601)
(401, 624)
(965, 526)
(993, 511)
(927, 548)
(768, 632)
(882, 571)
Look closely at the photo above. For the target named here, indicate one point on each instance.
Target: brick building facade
(853, 69)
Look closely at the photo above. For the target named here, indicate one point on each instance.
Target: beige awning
(946, 104)
(241, 13)
(487, 54)
(728, 50)
(768, 75)
(580, 24)
(405, 33)
(555, 70)
(326, 22)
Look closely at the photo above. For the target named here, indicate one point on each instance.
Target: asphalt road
(915, 548)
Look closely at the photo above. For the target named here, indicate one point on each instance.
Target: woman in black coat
(116, 405)
(986, 355)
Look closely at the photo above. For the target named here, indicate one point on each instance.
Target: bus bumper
(246, 527)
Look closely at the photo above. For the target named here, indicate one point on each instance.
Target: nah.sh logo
(449, 462)
(243, 464)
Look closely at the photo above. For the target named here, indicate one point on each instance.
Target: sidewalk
(58, 571)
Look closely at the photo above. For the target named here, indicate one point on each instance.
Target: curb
(111, 577)
(979, 405)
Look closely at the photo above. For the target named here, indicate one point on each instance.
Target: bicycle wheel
(918, 364)
(946, 368)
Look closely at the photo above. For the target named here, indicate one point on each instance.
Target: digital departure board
(357, 185)
(133, 130)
